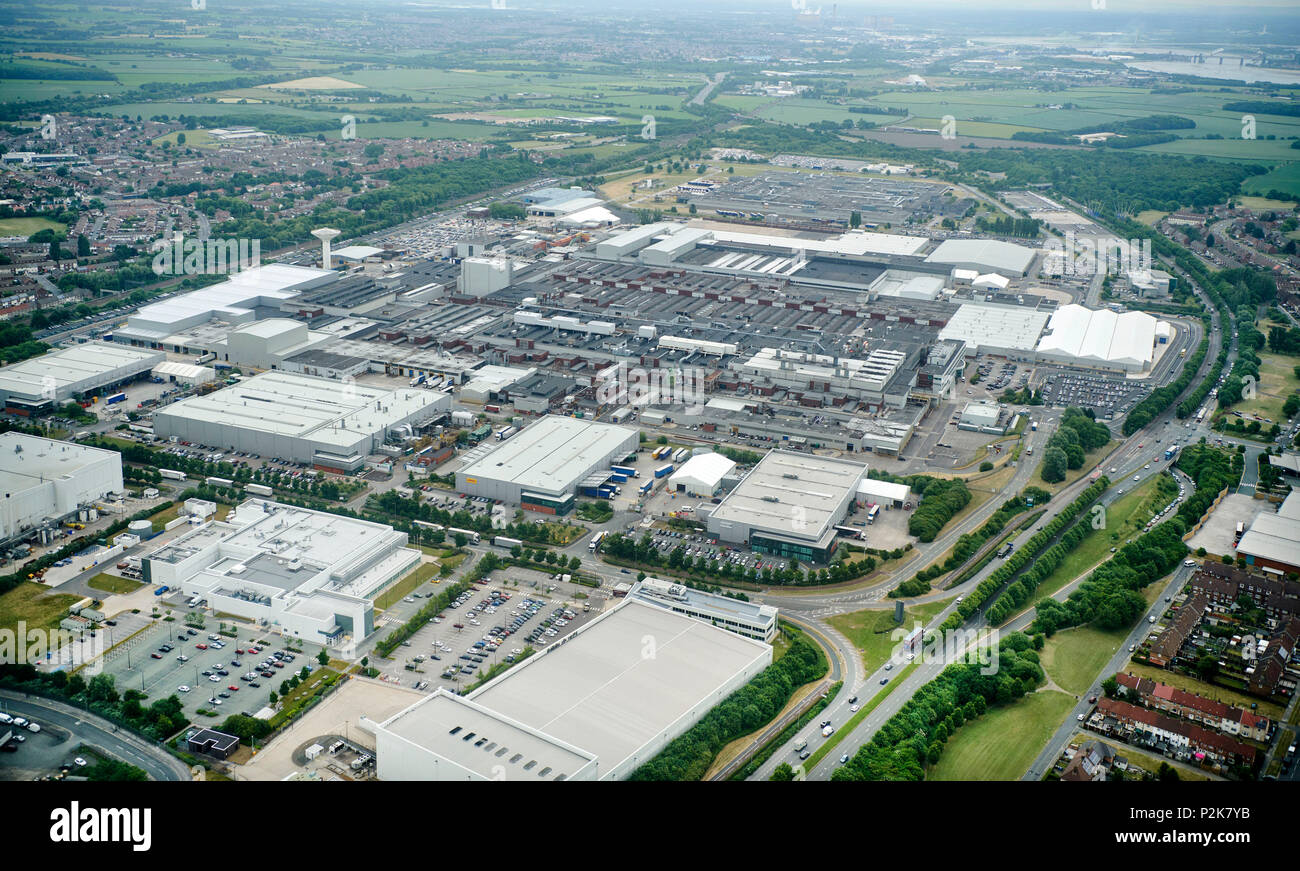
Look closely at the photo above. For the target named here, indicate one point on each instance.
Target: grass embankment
(1124, 518)
(1090, 461)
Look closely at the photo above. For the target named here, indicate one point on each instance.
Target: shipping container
(664, 470)
(646, 487)
(680, 455)
(218, 482)
(172, 474)
(625, 470)
(258, 489)
(115, 398)
(468, 533)
(507, 543)
(618, 479)
(492, 409)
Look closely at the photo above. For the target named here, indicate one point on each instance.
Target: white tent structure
(701, 474)
(1100, 338)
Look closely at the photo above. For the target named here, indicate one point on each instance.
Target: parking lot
(167, 656)
(488, 625)
(1107, 395)
(51, 752)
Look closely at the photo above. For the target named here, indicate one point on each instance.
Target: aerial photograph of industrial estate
(736, 390)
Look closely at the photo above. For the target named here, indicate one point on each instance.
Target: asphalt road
(99, 733)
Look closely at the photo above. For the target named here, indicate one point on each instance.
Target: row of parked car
(16, 737)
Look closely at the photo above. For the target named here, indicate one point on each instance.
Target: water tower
(325, 234)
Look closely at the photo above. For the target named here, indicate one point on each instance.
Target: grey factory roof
(303, 406)
(76, 367)
(478, 740)
(598, 690)
(1273, 537)
(27, 461)
(990, 254)
(793, 493)
(547, 455)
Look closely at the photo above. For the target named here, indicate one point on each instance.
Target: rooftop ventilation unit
(771, 499)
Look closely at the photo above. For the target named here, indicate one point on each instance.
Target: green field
(113, 584)
(1074, 657)
(1283, 178)
(1277, 381)
(28, 226)
(1002, 744)
(35, 604)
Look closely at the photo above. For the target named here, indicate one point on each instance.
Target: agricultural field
(1283, 178)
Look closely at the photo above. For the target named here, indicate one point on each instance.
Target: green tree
(323, 658)
(1054, 465)
(783, 773)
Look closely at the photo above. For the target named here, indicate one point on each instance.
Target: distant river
(1212, 69)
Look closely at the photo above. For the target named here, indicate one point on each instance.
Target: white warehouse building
(314, 575)
(749, 619)
(789, 505)
(593, 707)
(301, 418)
(44, 479)
(541, 467)
(56, 377)
(1100, 338)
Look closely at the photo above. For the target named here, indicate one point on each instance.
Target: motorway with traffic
(1134, 460)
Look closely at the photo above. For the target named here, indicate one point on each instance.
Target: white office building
(749, 619)
(311, 574)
